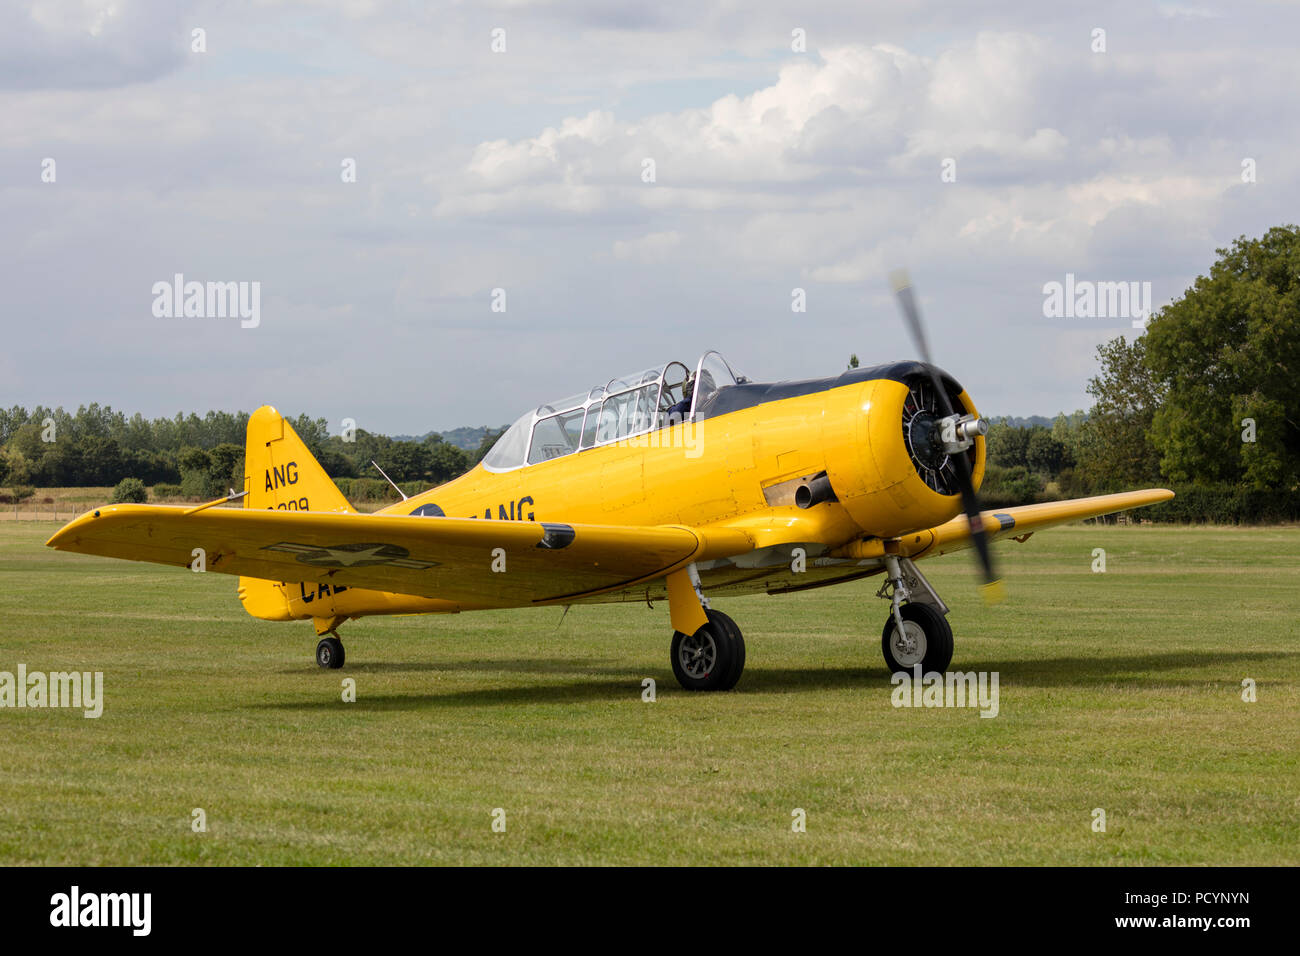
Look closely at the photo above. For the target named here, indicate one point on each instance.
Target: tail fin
(280, 473)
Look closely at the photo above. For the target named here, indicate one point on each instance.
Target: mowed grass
(1120, 691)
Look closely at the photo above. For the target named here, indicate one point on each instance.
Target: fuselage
(739, 463)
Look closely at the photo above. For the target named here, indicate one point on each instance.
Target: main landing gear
(708, 650)
(329, 653)
(712, 658)
(916, 631)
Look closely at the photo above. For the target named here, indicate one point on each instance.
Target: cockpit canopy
(621, 408)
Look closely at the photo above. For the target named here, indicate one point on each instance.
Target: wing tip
(1155, 495)
(62, 538)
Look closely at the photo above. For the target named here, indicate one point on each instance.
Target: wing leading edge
(955, 535)
(480, 562)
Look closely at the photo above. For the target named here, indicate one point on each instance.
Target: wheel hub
(698, 654)
(909, 646)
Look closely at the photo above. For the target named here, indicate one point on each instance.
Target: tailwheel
(329, 653)
(712, 658)
(927, 640)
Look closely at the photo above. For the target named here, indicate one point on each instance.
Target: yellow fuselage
(738, 470)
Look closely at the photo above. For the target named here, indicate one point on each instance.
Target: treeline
(1069, 458)
(1207, 403)
(189, 456)
(1037, 463)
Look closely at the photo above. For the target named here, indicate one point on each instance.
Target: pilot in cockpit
(677, 413)
(703, 385)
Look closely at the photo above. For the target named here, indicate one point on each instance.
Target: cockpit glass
(713, 373)
(627, 413)
(675, 376)
(550, 408)
(556, 436)
(512, 447)
(622, 408)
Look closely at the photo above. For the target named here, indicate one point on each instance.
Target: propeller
(991, 586)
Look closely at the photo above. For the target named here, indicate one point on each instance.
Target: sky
(611, 188)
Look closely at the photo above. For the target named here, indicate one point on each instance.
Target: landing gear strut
(329, 653)
(916, 631)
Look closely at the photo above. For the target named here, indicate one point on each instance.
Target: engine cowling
(887, 460)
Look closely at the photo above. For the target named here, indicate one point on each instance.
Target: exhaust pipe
(814, 491)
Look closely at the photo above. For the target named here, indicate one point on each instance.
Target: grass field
(1120, 690)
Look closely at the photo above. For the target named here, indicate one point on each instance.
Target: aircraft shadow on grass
(518, 665)
(1079, 672)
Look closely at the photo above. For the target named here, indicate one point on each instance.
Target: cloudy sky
(775, 168)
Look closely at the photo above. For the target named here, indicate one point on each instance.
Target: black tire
(937, 635)
(710, 659)
(737, 649)
(329, 653)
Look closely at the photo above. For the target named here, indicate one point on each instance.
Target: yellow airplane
(673, 484)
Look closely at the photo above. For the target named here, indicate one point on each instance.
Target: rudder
(280, 473)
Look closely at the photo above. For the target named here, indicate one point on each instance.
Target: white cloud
(654, 247)
(91, 43)
(524, 171)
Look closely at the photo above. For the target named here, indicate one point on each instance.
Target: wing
(1014, 522)
(484, 563)
(955, 535)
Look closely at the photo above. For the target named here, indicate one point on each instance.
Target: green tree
(486, 444)
(129, 489)
(1008, 487)
(1044, 454)
(16, 463)
(1006, 445)
(196, 474)
(64, 463)
(1228, 350)
(227, 468)
(102, 462)
(11, 419)
(406, 461)
(26, 453)
(446, 462)
(1068, 430)
(1114, 450)
(314, 432)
